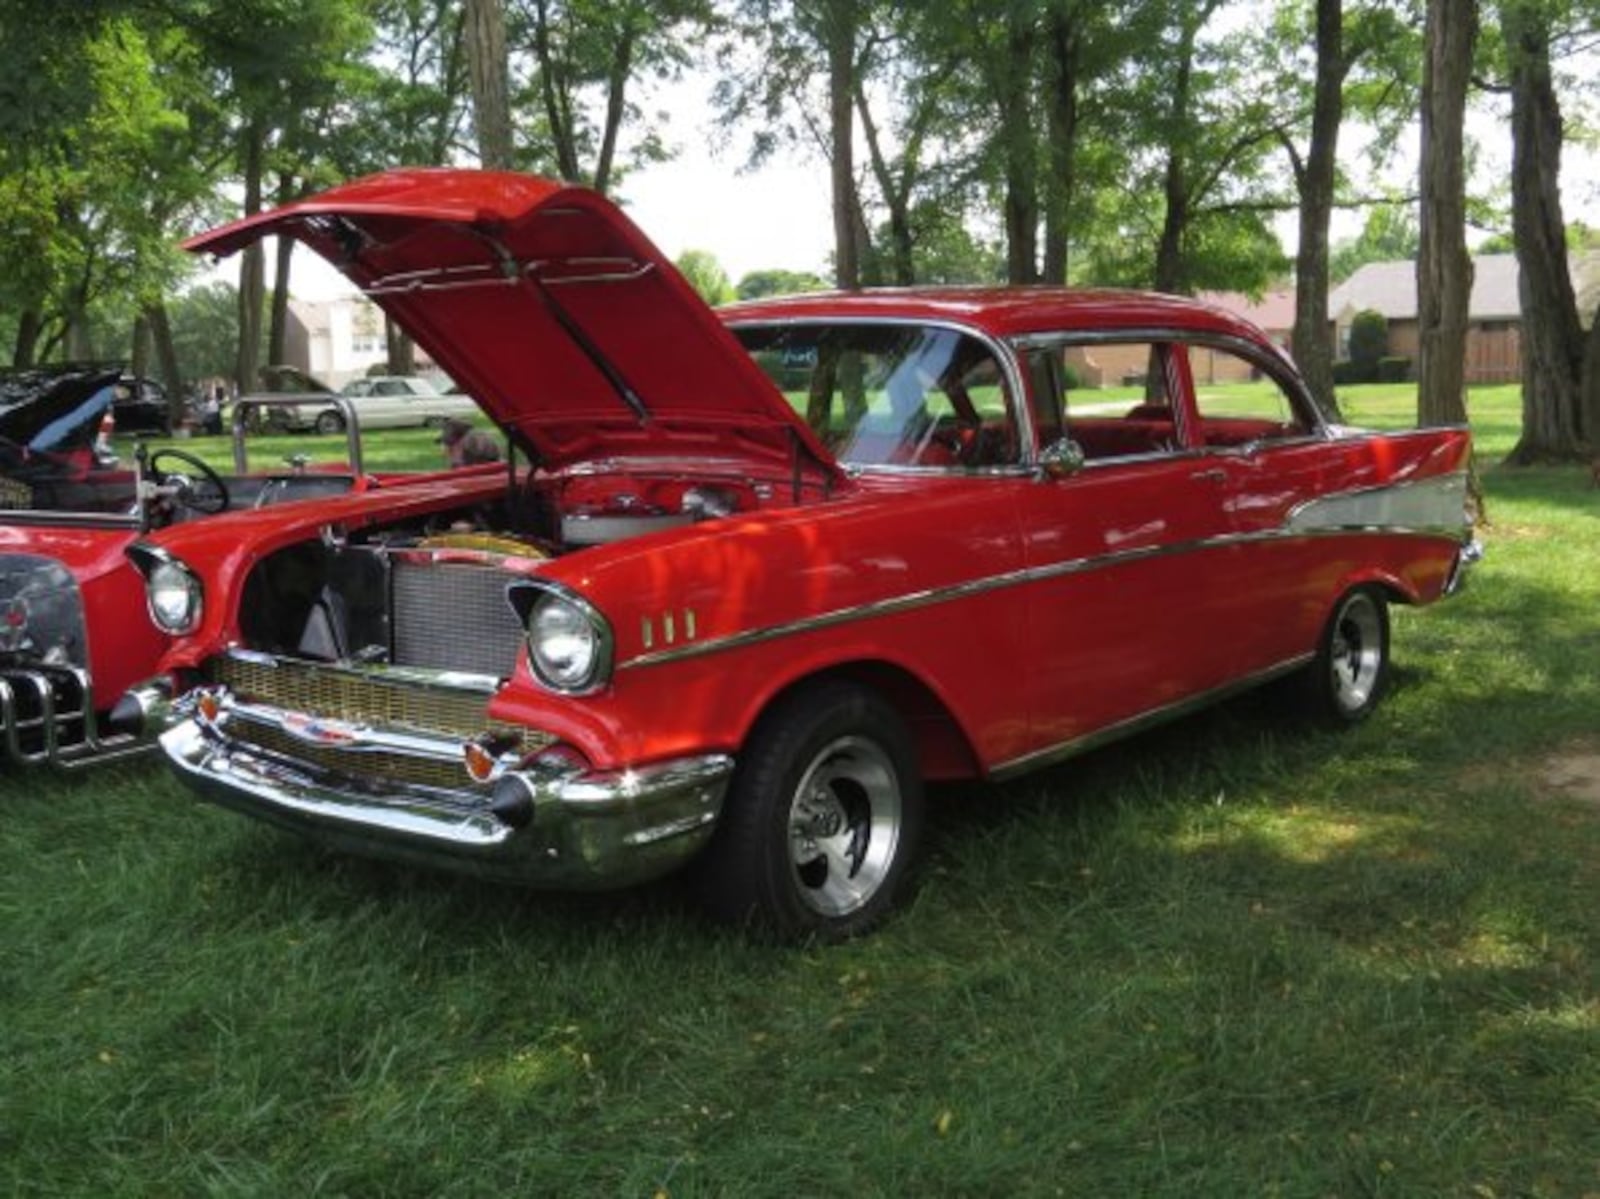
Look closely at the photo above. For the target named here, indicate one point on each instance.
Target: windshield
(892, 394)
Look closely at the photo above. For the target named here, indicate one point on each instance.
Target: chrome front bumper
(543, 827)
(47, 719)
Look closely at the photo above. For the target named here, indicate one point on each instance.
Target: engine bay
(430, 592)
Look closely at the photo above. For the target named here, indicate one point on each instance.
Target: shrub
(1345, 373)
(1369, 342)
(1394, 369)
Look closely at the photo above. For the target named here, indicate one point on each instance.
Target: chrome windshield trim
(1003, 353)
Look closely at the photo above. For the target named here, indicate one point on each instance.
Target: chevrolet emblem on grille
(318, 731)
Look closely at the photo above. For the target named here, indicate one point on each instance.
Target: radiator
(454, 616)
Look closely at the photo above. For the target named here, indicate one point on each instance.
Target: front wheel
(822, 818)
(329, 422)
(1351, 670)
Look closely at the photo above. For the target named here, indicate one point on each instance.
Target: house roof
(1391, 288)
(1273, 312)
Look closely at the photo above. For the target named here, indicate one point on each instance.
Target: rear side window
(1240, 404)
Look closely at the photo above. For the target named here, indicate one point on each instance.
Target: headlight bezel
(532, 598)
(161, 568)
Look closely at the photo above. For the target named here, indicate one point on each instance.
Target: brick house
(1494, 311)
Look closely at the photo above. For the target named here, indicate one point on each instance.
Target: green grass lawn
(1231, 957)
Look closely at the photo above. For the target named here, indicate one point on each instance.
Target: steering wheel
(209, 498)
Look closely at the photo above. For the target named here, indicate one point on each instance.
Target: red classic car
(766, 571)
(72, 635)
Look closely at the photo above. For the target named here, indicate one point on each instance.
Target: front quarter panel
(908, 577)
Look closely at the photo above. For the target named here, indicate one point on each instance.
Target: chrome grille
(357, 698)
(454, 616)
(47, 716)
(367, 763)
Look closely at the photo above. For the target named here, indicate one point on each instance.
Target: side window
(1239, 403)
(1117, 398)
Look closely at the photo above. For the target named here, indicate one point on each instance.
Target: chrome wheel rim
(1356, 653)
(844, 826)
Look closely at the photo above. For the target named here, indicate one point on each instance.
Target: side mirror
(1061, 458)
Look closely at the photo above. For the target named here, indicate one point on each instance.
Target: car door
(1259, 434)
(1124, 552)
(390, 405)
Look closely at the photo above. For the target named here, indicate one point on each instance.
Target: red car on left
(74, 634)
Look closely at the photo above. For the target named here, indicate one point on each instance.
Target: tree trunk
(554, 87)
(77, 322)
(616, 108)
(1444, 271)
(1021, 204)
(1062, 130)
(1589, 394)
(278, 324)
(486, 61)
(1552, 336)
(139, 361)
(247, 361)
(896, 198)
(1312, 340)
(155, 318)
(841, 36)
(402, 350)
(1171, 272)
(29, 327)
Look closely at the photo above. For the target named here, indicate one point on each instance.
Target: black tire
(822, 820)
(1350, 673)
(329, 423)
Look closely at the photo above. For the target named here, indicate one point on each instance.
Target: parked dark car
(141, 405)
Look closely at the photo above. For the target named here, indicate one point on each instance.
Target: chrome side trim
(1015, 578)
(1054, 754)
(1434, 503)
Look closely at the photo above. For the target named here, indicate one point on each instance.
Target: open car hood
(552, 310)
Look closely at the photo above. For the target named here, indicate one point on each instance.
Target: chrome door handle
(1213, 474)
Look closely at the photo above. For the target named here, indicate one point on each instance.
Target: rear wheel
(822, 819)
(1351, 670)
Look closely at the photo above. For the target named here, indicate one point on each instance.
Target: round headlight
(174, 595)
(566, 646)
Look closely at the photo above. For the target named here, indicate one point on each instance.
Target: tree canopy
(1153, 143)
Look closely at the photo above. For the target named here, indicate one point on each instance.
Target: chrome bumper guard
(1468, 556)
(534, 825)
(47, 719)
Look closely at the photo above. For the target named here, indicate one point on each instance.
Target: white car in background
(380, 402)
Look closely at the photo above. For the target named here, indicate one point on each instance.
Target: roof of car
(1004, 311)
